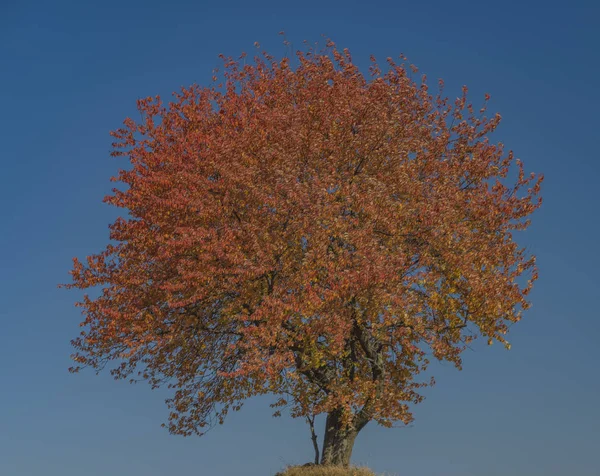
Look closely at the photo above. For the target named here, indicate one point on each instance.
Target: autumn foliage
(308, 232)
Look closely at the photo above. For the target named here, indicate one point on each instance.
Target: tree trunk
(337, 443)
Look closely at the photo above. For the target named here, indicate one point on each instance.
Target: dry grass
(325, 471)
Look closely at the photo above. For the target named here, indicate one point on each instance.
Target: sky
(71, 71)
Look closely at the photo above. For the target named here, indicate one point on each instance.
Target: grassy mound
(317, 470)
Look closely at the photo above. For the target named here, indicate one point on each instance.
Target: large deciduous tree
(309, 232)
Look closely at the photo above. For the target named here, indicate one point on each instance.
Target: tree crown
(310, 232)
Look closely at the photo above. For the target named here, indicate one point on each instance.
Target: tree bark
(338, 442)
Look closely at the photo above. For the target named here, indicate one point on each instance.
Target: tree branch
(311, 424)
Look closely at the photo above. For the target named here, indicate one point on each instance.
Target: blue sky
(71, 71)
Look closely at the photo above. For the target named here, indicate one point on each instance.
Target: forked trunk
(338, 442)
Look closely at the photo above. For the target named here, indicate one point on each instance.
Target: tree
(311, 233)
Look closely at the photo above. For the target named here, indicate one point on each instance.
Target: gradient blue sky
(71, 71)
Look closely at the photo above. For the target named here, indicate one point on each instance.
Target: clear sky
(71, 71)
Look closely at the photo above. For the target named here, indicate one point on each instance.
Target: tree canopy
(310, 232)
